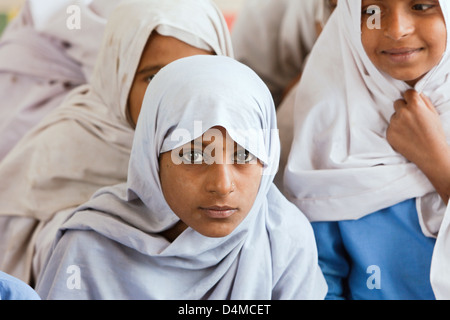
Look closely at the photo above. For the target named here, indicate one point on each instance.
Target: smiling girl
(411, 40)
(369, 164)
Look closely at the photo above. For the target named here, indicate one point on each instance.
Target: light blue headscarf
(114, 239)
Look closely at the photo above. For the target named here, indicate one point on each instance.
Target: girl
(199, 217)
(42, 60)
(377, 209)
(85, 143)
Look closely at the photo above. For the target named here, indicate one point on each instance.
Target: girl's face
(159, 52)
(409, 40)
(211, 183)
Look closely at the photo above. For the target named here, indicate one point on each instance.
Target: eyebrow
(376, 1)
(207, 143)
(362, 1)
(150, 69)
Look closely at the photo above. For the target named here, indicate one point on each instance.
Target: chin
(215, 235)
(408, 78)
(219, 233)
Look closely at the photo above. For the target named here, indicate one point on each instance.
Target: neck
(173, 233)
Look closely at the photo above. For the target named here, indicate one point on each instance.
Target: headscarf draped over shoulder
(270, 255)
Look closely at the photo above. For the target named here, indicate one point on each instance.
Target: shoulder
(108, 237)
(296, 272)
(284, 213)
(73, 243)
(12, 288)
(77, 264)
(41, 147)
(286, 223)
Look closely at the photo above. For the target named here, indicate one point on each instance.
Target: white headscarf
(85, 144)
(270, 255)
(274, 37)
(78, 23)
(41, 60)
(341, 165)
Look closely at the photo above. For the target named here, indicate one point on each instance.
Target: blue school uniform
(383, 255)
(14, 289)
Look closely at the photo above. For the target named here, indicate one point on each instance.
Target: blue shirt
(14, 289)
(382, 256)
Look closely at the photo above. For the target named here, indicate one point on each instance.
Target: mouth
(219, 212)
(401, 54)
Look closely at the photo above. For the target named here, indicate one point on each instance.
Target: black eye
(422, 7)
(150, 78)
(243, 156)
(370, 10)
(191, 157)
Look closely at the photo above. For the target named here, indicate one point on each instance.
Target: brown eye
(191, 157)
(243, 156)
(370, 10)
(150, 78)
(422, 7)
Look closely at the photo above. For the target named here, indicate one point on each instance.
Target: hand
(415, 129)
(416, 132)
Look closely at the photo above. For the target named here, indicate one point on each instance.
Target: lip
(219, 212)
(399, 55)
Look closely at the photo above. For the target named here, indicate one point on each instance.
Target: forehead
(218, 138)
(215, 136)
(164, 49)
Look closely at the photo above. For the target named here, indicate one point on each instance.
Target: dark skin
(158, 52)
(416, 119)
(212, 198)
(409, 43)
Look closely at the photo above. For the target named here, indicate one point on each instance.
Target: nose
(399, 24)
(220, 179)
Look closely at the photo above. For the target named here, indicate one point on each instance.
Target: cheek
(135, 99)
(249, 187)
(437, 39)
(178, 191)
(369, 42)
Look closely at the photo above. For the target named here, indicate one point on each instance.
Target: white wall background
(230, 5)
(7, 4)
(226, 5)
